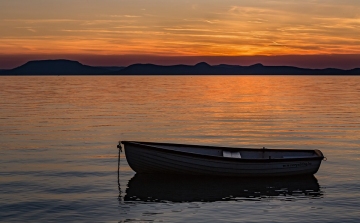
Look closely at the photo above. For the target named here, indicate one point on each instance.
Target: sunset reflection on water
(58, 140)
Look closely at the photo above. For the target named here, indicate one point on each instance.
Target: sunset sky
(312, 33)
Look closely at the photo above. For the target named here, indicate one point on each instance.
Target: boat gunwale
(157, 147)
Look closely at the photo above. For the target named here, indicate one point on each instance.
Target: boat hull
(148, 159)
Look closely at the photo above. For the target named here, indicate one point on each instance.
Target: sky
(307, 33)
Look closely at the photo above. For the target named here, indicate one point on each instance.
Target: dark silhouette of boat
(169, 158)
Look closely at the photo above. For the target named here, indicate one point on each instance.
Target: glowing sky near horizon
(180, 28)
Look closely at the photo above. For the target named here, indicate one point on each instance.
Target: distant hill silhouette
(111, 68)
(2, 71)
(68, 67)
(223, 69)
(55, 67)
(355, 71)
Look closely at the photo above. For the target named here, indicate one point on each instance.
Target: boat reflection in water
(178, 188)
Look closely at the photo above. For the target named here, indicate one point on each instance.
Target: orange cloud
(180, 29)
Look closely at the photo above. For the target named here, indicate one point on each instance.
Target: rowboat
(170, 158)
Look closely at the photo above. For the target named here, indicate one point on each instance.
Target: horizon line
(180, 64)
(337, 61)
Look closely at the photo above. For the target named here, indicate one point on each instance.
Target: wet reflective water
(58, 156)
(161, 188)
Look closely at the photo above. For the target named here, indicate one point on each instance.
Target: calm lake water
(58, 155)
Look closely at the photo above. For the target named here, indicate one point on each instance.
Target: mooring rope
(119, 186)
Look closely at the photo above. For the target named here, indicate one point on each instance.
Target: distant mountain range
(68, 67)
(54, 67)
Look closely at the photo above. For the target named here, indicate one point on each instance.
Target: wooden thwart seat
(231, 154)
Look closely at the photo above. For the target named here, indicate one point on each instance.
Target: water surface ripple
(58, 156)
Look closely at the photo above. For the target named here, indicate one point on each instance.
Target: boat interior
(242, 153)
